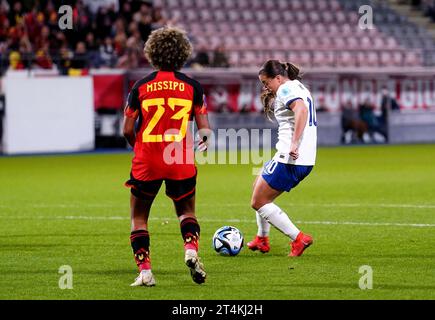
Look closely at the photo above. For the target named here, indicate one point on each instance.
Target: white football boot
(145, 278)
(196, 267)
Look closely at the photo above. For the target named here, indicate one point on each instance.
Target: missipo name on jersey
(165, 85)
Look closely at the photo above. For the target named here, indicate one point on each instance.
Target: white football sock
(263, 226)
(279, 219)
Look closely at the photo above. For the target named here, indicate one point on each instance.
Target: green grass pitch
(369, 205)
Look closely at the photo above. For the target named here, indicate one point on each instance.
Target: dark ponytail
(271, 69)
(292, 70)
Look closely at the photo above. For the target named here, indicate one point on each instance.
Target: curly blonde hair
(168, 48)
(268, 100)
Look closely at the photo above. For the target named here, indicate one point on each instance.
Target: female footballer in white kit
(292, 106)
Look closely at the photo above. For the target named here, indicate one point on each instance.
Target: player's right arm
(202, 123)
(131, 113)
(291, 96)
(128, 130)
(301, 115)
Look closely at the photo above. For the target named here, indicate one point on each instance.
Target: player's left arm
(301, 114)
(204, 130)
(128, 130)
(131, 113)
(201, 119)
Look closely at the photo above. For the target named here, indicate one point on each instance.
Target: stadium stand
(325, 33)
(341, 60)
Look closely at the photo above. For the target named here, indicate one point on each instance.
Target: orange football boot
(259, 243)
(301, 242)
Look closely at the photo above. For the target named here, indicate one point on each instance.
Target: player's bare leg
(261, 240)
(190, 231)
(140, 240)
(263, 193)
(262, 201)
(260, 197)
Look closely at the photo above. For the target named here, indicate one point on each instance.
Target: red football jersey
(164, 103)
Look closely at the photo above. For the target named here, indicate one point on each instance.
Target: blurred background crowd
(227, 33)
(105, 34)
(323, 37)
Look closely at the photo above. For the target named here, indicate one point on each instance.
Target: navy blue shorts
(283, 176)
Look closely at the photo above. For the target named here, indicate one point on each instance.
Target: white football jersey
(287, 93)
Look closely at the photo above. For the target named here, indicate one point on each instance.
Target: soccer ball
(228, 241)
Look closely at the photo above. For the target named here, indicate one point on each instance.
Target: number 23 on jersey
(159, 105)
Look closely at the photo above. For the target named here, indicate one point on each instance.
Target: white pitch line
(225, 221)
(236, 205)
(369, 223)
(351, 205)
(344, 205)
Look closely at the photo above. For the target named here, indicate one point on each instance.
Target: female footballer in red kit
(158, 118)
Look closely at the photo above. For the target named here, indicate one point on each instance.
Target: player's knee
(256, 203)
(184, 207)
(142, 196)
(186, 215)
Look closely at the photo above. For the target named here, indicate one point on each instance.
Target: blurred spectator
(80, 58)
(93, 51)
(103, 23)
(119, 27)
(4, 4)
(220, 59)
(4, 59)
(43, 59)
(126, 12)
(353, 128)
(57, 41)
(201, 58)
(16, 15)
(120, 43)
(51, 16)
(104, 31)
(107, 53)
(144, 20)
(367, 114)
(428, 7)
(64, 61)
(4, 24)
(321, 105)
(83, 18)
(13, 38)
(94, 5)
(15, 61)
(26, 52)
(388, 104)
(158, 20)
(129, 60)
(132, 58)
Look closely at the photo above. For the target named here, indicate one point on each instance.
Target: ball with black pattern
(228, 241)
